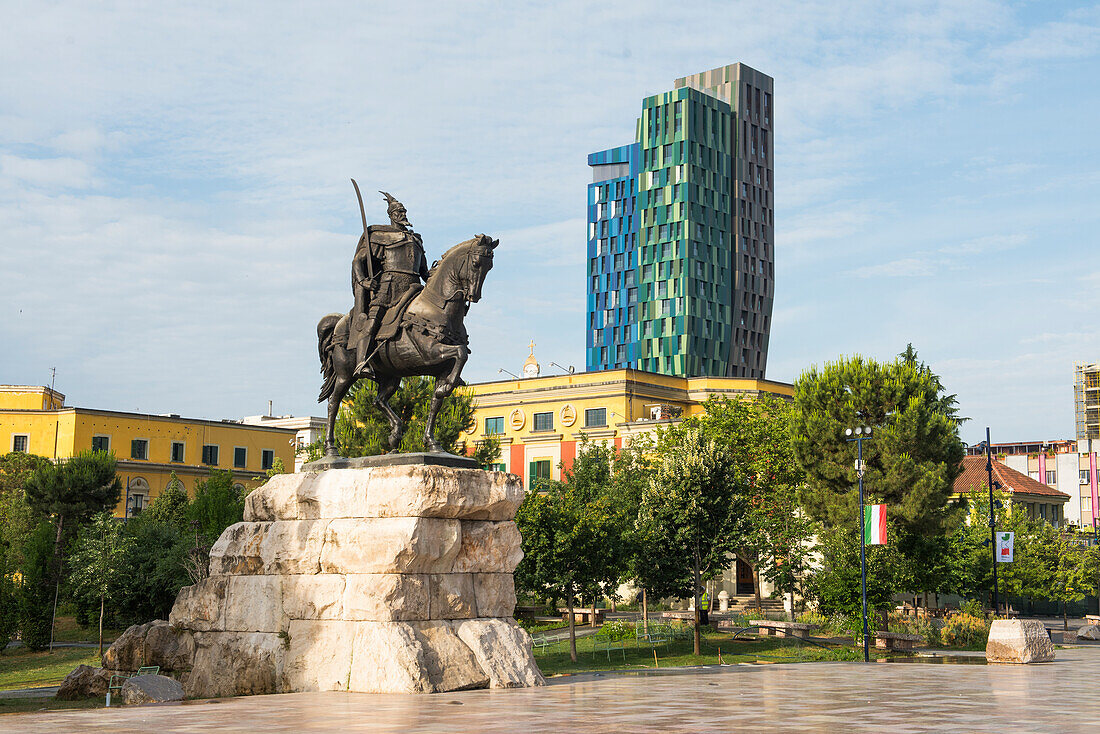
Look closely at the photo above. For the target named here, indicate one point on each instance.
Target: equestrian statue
(399, 325)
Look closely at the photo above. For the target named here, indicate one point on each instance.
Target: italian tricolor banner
(874, 524)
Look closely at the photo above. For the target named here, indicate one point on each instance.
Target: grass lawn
(22, 705)
(67, 630)
(554, 659)
(22, 669)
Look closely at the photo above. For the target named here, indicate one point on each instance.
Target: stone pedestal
(383, 579)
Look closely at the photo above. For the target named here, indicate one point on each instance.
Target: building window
(210, 454)
(137, 504)
(101, 443)
(494, 426)
(1085, 476)
(544, 421)
(240, 457)
(177, 452)
(595, 417)
(139, 448)
(267, 459)
(19, 443)
(539, 470)
(499, 466)
(1051, 478)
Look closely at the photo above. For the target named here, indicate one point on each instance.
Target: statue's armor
(399, 264)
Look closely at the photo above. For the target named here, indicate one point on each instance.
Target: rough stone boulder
(152, 643)
(1019, 641)
(84, 682)
(1089, 632)
(151, 689)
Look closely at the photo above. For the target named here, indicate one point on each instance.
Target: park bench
(581, 616)
(606, 643)
(1092, 619)
(119, 679)
(782, 629)
(895, 640)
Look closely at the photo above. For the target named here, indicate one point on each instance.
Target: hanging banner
(874, 524)
(1004, 547)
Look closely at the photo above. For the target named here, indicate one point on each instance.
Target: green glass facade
(703, 216)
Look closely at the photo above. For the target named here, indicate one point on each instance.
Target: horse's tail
(325, 328)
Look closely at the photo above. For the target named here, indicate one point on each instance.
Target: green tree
(572, 536)
(36, 591)
(911, 462)
(69, 493)
(17, 520)
(153, 570)
(95, 562)
(169, 507)
(218, 504)
(692, 513)
(362, 429)
(277, 467)
(486, 451)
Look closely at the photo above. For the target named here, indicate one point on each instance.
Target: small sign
(1005, 547)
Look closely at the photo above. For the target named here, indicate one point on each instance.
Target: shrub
(965, 630)
(616, 629)
(973, 607)
(915, 626)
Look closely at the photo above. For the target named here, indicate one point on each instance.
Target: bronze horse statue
(430, 339)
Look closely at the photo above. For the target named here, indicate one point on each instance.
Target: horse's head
(463, 268)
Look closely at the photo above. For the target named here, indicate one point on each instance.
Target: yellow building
(539, 420)
(149, 448)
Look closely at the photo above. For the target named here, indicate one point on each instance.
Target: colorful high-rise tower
(680, 232)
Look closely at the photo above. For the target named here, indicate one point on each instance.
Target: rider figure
(395, 256)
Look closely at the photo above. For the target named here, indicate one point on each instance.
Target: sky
(176, 213)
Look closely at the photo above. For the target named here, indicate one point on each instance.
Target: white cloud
(910, 267)
(55, 173)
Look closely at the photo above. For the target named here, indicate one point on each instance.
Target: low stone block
(201, 606)
(152, 643)
(495, 594)
(451, 596)
(390, 545)
(386, 597)
(412, 657)
(503, 651)
(151, 689)
(313, 596)
(1089, 632)
(84, 682)
(1018, 641)
(488, 547)
(235, 664)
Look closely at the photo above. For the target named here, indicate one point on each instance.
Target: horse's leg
(443, 387)
(387, 386)
(344, 381)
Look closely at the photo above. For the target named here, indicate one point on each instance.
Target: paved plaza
(824, 697)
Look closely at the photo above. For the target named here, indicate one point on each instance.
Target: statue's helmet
(392, 204)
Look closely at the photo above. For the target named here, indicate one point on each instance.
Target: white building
(310, 429)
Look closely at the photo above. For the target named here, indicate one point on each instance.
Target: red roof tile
(975, 475)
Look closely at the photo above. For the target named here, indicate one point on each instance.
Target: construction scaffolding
(1086, 400)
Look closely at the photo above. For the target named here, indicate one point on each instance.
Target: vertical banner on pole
(1005, 547)
(874, 524)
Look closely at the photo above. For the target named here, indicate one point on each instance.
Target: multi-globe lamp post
(859, 435)
(992, 517)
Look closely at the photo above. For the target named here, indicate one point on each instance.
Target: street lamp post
(992, 522)
(862, 434)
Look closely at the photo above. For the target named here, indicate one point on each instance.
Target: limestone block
(488, 547)
(235, 664)
(283, 547)
(388, 491)
(495, 594)
(436, 491)
(319, 656)
(412, 657)
(201, 606)
(1089, 632)
(503, 650)
(84, 682)
(451, 596)
(277, 499)
(152, 643)
(237, 549)
(384, 597)
(1018, 641)
(390, 545)
(313, 596)
(254, 604)
(151, 689)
